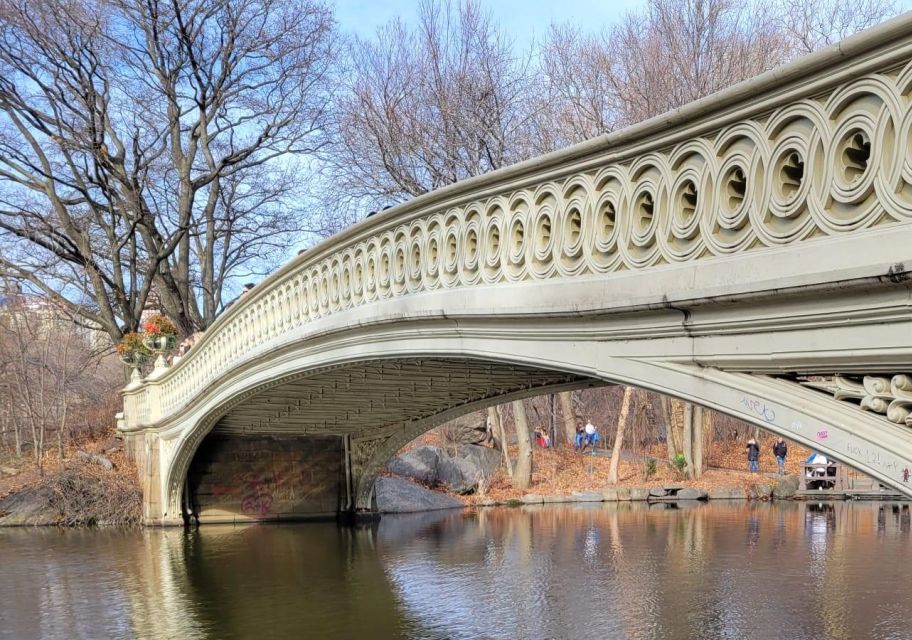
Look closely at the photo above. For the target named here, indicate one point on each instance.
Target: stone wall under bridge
(260, 478)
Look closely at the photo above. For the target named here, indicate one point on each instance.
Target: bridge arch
(780, 406)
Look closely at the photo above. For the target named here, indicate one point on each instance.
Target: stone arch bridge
(750, 252)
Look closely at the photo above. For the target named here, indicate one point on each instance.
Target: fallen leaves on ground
(563, 471)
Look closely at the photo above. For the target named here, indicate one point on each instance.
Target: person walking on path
(753, 456)
(780, 450)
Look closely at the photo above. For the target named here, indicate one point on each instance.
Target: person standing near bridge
(753, 456)
(780, 450)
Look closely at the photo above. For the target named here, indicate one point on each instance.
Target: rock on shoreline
(397, 495)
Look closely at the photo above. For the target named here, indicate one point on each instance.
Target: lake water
(722, 570)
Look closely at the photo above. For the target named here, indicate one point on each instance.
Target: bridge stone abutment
(751, 252)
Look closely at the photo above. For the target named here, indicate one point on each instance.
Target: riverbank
(79, 491)
(563, 474)
(94, 486)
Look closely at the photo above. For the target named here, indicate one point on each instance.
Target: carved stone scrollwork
(890, 396)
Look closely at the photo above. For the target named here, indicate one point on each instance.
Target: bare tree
(576, 99)
(676, 51)
(47, 370)
(522, 472)
(619, 435)
(147, 145)
(813, 24)
(426, 107)
(495, 421)
(568, 414)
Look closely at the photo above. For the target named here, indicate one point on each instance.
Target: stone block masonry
(240, 479)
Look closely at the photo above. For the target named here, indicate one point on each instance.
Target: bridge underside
(375, 396)
(296, 450)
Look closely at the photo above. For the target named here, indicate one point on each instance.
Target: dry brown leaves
(563, 471)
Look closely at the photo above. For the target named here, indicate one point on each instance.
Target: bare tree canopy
(145, 146)
(813, 24)
(677, 51)
(425, 107)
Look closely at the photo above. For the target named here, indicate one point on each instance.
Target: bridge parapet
(809, 153)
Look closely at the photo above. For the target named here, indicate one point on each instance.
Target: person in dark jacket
(753, 456)
(780, 450)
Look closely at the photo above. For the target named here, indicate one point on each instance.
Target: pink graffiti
(257, 495)
(823, 434)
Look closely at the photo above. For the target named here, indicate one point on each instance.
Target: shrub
(679, 463)
(650, 468)
(84, 494)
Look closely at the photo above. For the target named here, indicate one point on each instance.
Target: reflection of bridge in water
(750, 252)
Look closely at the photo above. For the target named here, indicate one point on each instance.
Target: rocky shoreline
(429, 478)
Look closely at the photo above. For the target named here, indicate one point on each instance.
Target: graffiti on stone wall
(267, 477)
(759, 407)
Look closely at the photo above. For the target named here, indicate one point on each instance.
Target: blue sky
(521, 19)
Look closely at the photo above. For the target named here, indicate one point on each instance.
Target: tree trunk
(619, 436)
(697, 442)
(709, 434)
(522, 474)
(688, 438)
(568, 414)
(668, 413)
(497, 421)
(552, 425)
(677, 423)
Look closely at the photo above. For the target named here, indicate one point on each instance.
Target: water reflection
(724, 570)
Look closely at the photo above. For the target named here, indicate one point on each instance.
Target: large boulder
(468, 429)
(485, 459)
(459, 475)
(396, 495)
(463, 471)
(761, 491)
(29, 506)
(421, 464)
(786, 487)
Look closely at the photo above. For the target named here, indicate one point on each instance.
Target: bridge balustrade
(815, 151)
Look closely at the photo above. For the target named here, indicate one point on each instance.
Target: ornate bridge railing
(812, 151)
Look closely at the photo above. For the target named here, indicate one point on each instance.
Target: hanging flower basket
(159, 334)
(132, 350)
